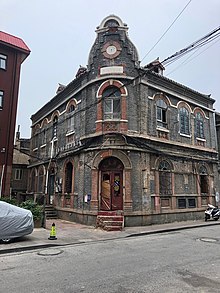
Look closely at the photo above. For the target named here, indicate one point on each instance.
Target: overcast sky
(60, 34)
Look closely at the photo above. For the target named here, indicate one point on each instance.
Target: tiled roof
(13, 41)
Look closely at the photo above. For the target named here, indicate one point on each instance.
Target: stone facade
(124, 137)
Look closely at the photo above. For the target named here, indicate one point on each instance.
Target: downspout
(1, 181)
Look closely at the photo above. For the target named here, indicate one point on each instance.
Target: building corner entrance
(111, 198)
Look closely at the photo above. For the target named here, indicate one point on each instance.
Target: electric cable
(166, 30)
(197, 44)
(189, 59)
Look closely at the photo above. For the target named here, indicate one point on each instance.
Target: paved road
(174, 262)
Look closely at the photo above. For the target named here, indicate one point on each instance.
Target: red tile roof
(13, 41)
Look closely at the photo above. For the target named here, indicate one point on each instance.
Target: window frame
(3, 61)
(161, 113)
(186, 202)
(165, 173)
(112, 101)
(199, 125)
(18, 174)
(184, 120)
(1, 99)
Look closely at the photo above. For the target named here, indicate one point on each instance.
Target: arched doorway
(111, 198)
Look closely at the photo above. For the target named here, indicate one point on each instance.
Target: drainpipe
(1, 181)
(46, 183)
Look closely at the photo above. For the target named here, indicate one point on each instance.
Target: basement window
(184, 203)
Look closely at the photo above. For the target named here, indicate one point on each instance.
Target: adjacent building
(19, 178)
(13, 51)
(123, 140)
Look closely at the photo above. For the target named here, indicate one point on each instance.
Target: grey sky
(60, 34)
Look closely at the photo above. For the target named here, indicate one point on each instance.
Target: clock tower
(113, 52)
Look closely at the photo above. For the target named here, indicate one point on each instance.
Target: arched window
(112, 103)
(199, 125)
(165, 180)
(204, 182)
(70, 119)
(68, 178)
(161, 113)
(184, 119)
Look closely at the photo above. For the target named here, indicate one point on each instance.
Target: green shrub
(37, 210)
(9, 200)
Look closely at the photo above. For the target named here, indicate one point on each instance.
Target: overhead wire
(189, 59)
(166, 30)
(197, 44)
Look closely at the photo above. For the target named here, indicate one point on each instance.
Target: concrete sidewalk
(69, 233)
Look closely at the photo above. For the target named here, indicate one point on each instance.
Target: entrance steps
(110, 220)
(50, 212)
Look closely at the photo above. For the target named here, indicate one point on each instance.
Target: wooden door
(111, 191)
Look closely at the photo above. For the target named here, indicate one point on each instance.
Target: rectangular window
(1, 99)
(70, 124)
(112, 108)
(161, 117)
(43, 137)
(181, 203)
(191, 202)
(18, 174)
(3, 60)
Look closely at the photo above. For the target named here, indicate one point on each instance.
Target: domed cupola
(112, 51)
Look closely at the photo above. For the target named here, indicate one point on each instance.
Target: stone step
(112, 228)
(50, 212)
(110, 213)
(111, 218)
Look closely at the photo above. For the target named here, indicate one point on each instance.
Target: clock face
(111, 50)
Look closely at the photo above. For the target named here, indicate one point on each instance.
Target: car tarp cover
(14, 221)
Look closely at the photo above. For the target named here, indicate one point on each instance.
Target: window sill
(201, 139)
(185, 135)
(34, 150)
(70, 132)
(43, 146)
(162, 129)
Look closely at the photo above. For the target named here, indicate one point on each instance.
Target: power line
(197, 44)
(166, 30)
(189, 59)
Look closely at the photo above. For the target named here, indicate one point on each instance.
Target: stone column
(94, 198)
(157, 192)
(127, 199)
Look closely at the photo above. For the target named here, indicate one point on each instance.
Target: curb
(171, 229)
(158, 231)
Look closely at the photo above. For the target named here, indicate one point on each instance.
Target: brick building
(121, 139)
(19, 178)
(13, 51)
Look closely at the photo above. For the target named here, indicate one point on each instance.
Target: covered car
(14, 221)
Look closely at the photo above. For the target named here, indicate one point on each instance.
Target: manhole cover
(208, 239)
(50, 252)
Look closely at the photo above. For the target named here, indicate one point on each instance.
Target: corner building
(123, 140)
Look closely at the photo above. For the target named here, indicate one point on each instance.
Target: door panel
(106, 192)
(116, 193)
(111, 191)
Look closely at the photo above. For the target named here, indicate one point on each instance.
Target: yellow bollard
(53, 232)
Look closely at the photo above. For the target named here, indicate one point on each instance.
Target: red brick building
(13, 51)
